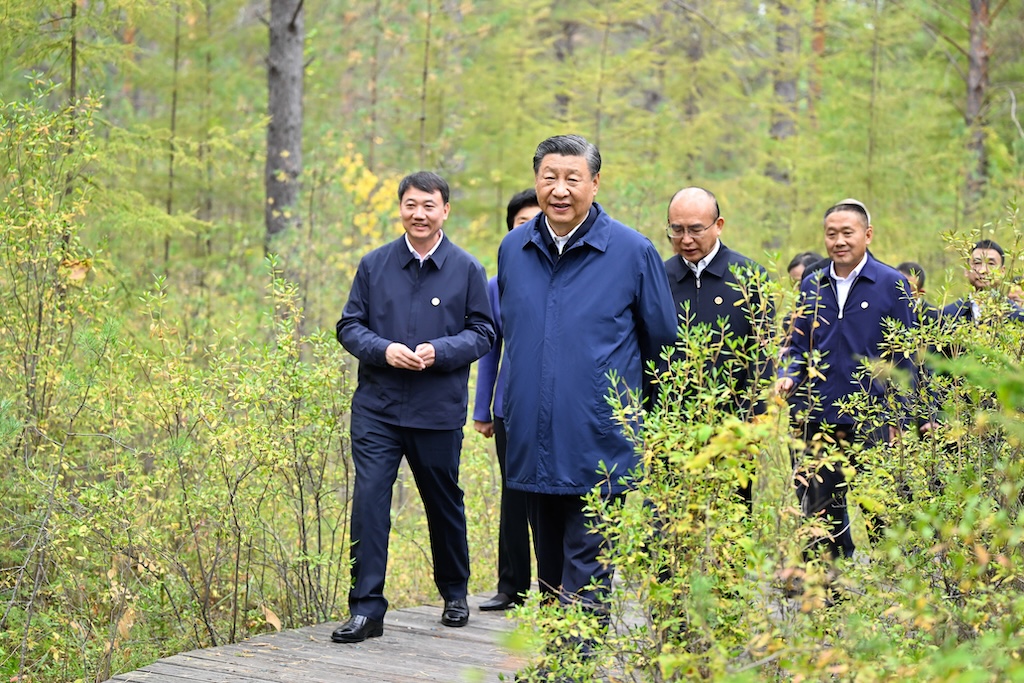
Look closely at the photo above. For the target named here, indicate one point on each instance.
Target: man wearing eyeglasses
(703, 277)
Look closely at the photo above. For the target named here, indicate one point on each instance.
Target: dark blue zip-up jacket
(879, 292)
(394, 299)
(962, 311)
(714, 298)
(601, 307)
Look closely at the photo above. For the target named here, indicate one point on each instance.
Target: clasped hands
(399, 355)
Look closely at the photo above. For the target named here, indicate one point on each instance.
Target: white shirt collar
(698, 267)
(422, 259)
(853, 273)
(560, 242)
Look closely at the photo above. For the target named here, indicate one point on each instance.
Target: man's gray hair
(569, 146)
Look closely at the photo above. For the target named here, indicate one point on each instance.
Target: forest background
(187, 188)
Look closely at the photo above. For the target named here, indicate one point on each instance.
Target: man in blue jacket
(513, 526)
(705, 289)
(417, 317)
(585, 304)
(843, 307)
(985, 262)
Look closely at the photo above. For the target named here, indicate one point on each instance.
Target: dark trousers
(823, 490)
(513, 528)
(567, 551)
(433, 457)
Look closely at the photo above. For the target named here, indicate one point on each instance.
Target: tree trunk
(424, 81)
(876, 76)
(782, 200)
(600, 79)
(818, 48)
(783, 123)
(285, 71)
(974, 111)
(565, 50)
(172, 142)
(378, 29)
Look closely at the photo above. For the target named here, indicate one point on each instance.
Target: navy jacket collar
(594, 232)
(871, 271)
(718, 267)
(438, 257)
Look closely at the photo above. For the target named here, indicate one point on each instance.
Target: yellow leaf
(125, 623)
(272, 618)
(76, 269)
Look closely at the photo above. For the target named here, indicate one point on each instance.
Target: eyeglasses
(678, 231)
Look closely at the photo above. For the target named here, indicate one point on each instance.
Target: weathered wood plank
(415, 647)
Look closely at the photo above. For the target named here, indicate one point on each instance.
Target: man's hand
(399, 355)
(426, 352)
(485, 428)
(895, 435)
(784, 386)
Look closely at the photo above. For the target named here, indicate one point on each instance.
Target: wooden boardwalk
(414, 647)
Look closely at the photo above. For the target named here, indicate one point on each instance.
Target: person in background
(984, 272)
(513, 528)
(703, 278)
(585, 305)
(417, 317)
(843, 307)
(801, 262)
(916, 277)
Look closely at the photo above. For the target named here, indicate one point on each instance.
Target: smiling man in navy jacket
(584, 299)
(417, 317)
(843, 307)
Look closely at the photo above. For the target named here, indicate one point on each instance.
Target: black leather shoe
(357, 629)
(456, 612)
(499, 602)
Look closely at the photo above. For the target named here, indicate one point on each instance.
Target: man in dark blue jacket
(513, 526)
(417, 317)
(840, 323)
(985, 262)
(706, 291)
(585, 304)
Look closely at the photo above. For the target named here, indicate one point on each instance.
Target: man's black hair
(994, 246)
(857, 208)
(805, 259)
(519, 201)
(569, 146)
(709, 193)
(909, 268)
(426, 181)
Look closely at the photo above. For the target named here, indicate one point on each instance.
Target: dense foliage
(173, 406)
(707, 590)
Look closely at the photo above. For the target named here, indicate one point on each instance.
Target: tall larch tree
(285, 73)
(974, 110)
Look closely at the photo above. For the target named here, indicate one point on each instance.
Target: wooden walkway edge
(415, 647)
